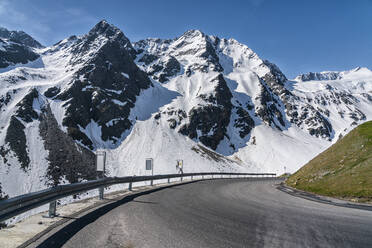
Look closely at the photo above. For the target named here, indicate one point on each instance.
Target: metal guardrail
(20, 204)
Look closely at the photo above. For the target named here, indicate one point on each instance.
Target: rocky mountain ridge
(327, 75)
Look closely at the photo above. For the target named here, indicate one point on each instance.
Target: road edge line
(322, 199)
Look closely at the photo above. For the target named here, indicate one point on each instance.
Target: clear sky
(297, 35)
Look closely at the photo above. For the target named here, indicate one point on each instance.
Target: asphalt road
(217, 213)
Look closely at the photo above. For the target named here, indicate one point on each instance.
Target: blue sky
(298, 36)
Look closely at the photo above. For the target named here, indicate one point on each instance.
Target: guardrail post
(181, 178)
(191, 177)
(152, 182)
(130, 186)
(202, 176)
(101, 190)
(168, 180)
(52, 209)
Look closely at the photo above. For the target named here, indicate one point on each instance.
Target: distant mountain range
(210, 101)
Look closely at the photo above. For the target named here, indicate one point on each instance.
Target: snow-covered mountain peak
(193, 52)
(102, 26)
(162, 59)
(103, 38)
(358, 72)
(107, 30)
(103, 33)
(319, 76)
(193, 33)
(19, 37)
(16, 49)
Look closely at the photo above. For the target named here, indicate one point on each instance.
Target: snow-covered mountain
(16, 48)
(212, 102)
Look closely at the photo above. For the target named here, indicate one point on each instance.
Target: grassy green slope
(344, 170)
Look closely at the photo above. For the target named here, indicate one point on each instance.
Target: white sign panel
(101, 160)
(149, 164)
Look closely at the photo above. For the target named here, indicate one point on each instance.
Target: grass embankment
(344, 170)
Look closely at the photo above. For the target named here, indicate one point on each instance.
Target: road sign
(101, 160)
(180, 163)
(149, 164)
(179, 166)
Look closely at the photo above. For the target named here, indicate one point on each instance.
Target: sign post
(179, 167)
(101, 166)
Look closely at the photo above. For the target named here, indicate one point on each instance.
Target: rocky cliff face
(19, 37)
(15, 135)
(208, 123)
(67, 160)
(17, 47)
(104, 88)
(319, 76)
(12, 53)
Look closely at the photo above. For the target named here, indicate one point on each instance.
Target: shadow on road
(59, 238)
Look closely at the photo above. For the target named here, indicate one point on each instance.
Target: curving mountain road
(217, 213)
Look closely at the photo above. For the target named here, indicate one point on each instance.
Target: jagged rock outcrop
(16, 139)
(19, 37)
(67, 160)
(208, 123)
(16, 47)
(104, 89)
(319, 76)
(160, 58)
(15, 134)
(244, 123)
(269, 109)
(12, 53)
